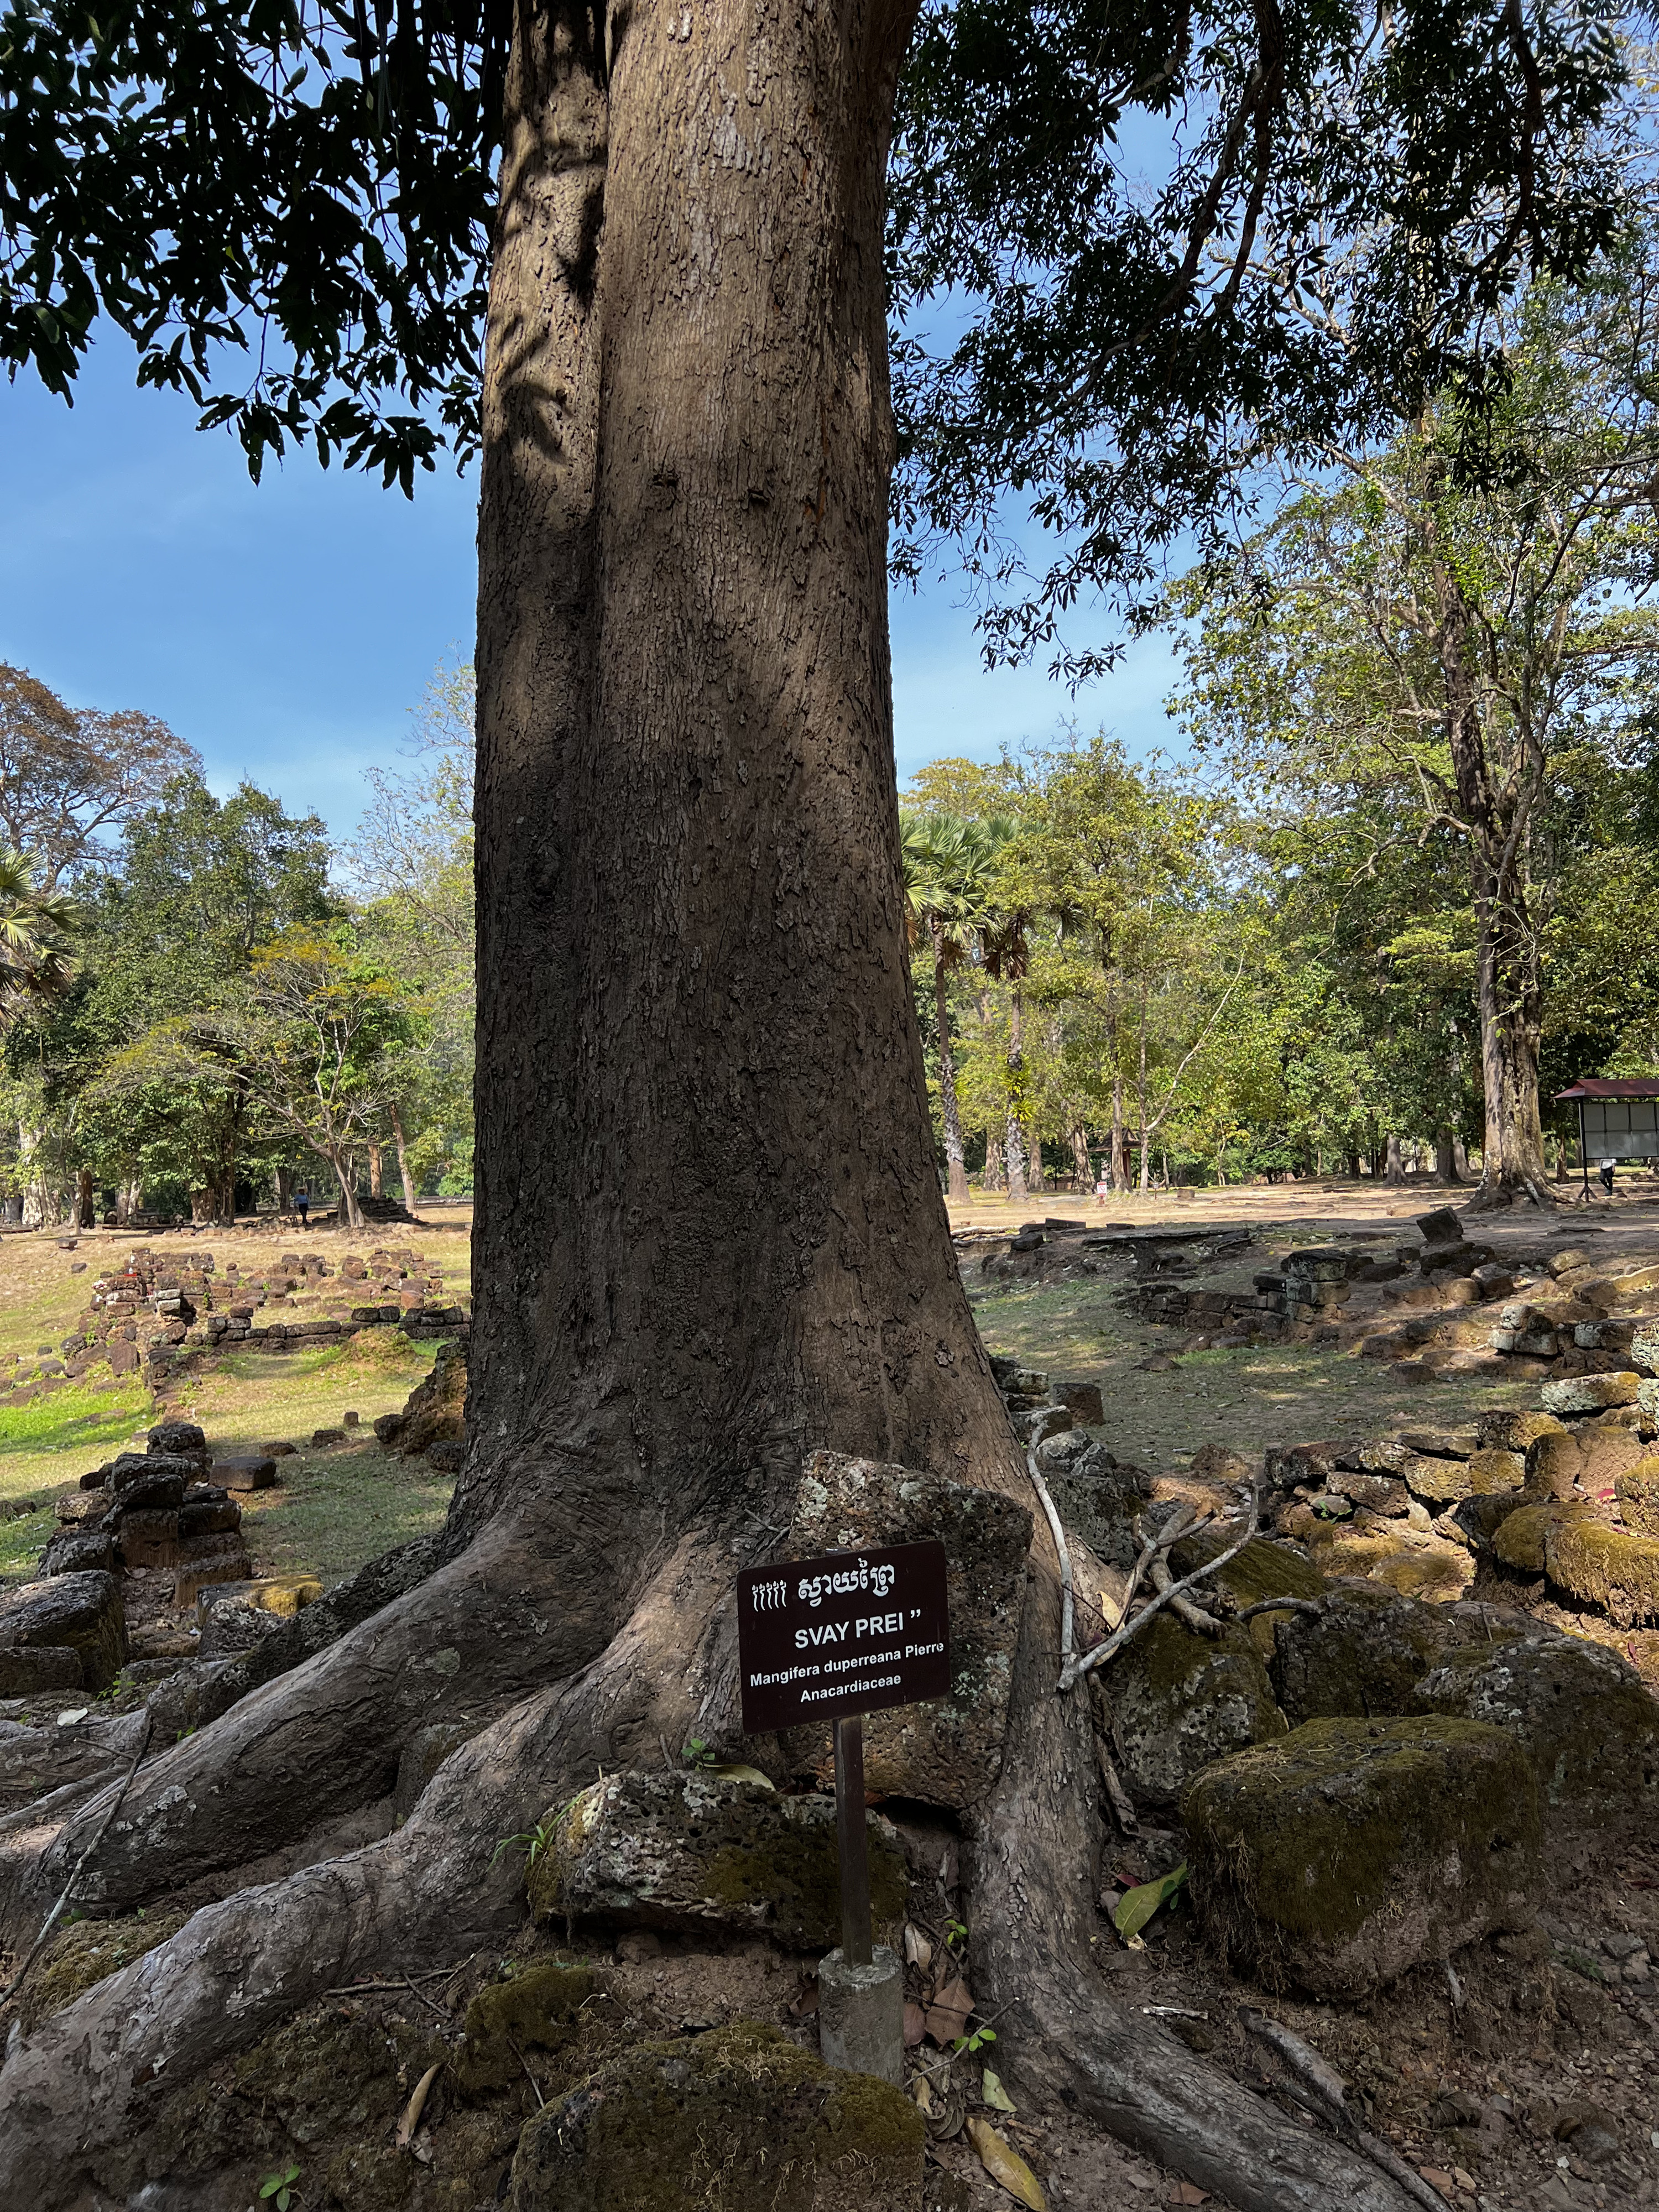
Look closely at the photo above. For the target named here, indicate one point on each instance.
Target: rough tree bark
(709, 1233)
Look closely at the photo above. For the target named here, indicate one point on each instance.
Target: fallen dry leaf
(1006, 2166)
(915, 2026)
(1187, 2192)
(1464, 2180)
(949, 2012)
(922, 2095)
(806, 2002)
(1437, 2179)
(416, 2105)
(993, 2092)
(918, 1950)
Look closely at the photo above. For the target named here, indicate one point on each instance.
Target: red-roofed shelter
(1618, 1118)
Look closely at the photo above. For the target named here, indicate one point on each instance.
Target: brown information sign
(850, 1632)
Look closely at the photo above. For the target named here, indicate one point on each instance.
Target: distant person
(302, 1200)
(1606, 1176)
(1102, 1186)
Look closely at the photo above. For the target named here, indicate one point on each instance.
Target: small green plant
(281, 2186)
(535, 1841)
(977, 2041)
(698, 1753)
(956, 1934)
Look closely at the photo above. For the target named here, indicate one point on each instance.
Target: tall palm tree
(949, 866)
(34, 962)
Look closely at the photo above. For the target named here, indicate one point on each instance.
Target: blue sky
(286, 631)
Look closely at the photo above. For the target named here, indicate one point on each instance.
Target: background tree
(68, 776)
(412, 862)
(1455, 643)
(311, 1041)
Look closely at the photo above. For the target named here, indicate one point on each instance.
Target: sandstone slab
(1352, 1851)
(245, 1471)
(1514, 1432)
(726, 2122)
(1589, 1393)
(950, 1752)
(702, 1850)
(1582, 1715)
(79, 1612)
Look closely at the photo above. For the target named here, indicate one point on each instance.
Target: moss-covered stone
(1263, 1569)
(1603, 1566)
(1582, 1715)
(1179, 1700)
(1515, 1431)
(1638, 1493)
(739, 2120)
(1438, 1481)
(947, 1752)
(1350, 1850)
(1589, 1393)
(1438, 1572)
(539, 2009)
(84, 1952)
(436, 1409)
(1552, 1465)
(1519, 1539)
(1492, 1472)
(698, 1850)
(1362, 1654)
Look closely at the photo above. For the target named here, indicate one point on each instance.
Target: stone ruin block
(1590, 1393)
(1350, 1850)
(77, 1613)
(948, 1754)
(700, 1850)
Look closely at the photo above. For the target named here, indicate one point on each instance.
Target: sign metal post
(853, 1841)
(830, 1639)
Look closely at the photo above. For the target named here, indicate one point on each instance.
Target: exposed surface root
(433, 1891)
(507, 1615)
(1036, 1849)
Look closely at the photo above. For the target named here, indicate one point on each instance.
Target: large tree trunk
(710, 1233)
(1512, 1153)
(1496, 796)
(1016, 1139)
(950, 1114)
(403, 1175)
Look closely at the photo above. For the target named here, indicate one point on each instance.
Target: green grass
(337, 1508)
(1246, 1397)
(21, 1542)
(47, 1443)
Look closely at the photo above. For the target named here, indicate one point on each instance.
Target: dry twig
(1328, 2094)
(1067, 1629)
(1205, 1624)
(1282, 1605)
(51, 1920)
(1078, 1668)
